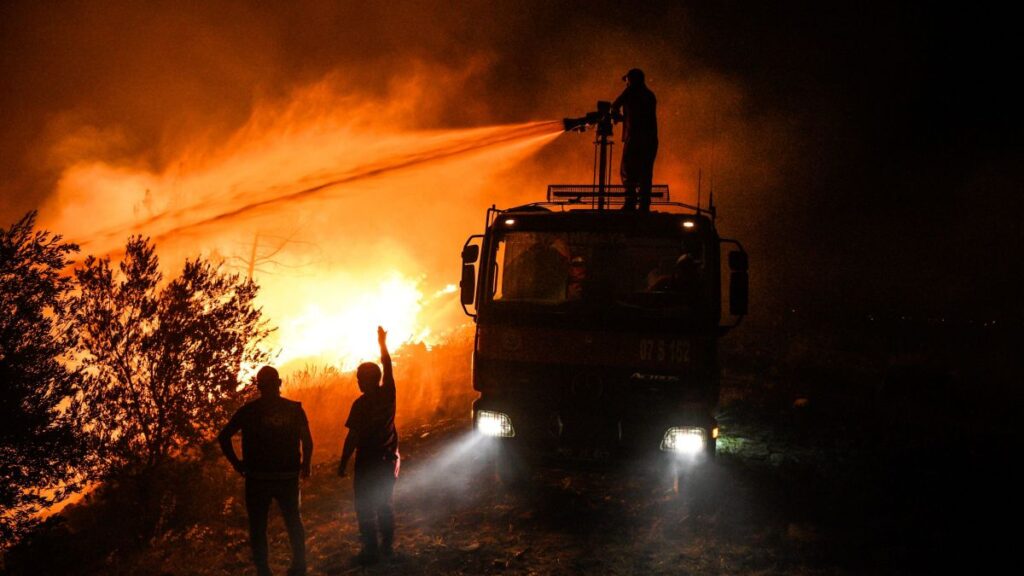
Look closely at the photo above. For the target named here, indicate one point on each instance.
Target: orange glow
(338, 327)
(345, 216)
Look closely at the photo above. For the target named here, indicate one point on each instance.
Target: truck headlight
(689, 441)
(494, 424)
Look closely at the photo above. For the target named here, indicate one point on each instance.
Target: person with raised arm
(373, 439)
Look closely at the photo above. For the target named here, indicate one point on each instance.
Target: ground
(455, 518)
(833, 459)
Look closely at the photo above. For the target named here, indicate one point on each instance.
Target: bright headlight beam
(494, 424)
(689, 441)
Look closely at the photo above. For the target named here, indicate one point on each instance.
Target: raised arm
(388, 381)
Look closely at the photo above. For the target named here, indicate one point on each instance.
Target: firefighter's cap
(634, 75)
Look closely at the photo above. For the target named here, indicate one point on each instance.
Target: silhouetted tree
(162, 363)
(265, 254)
(40, 442)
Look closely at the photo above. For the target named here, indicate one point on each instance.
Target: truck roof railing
(589, 193)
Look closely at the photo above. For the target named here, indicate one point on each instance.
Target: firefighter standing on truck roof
(374, 440)
(636, 109)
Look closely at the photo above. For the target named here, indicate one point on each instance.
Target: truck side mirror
(470, 256)
(738, 292)
(468, 282)
(738, 261)
(738, 283)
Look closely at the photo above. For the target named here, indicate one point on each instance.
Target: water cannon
(602, 118)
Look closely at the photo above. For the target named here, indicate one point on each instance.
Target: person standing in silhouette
(636, 108)
(273, 430)
(374, 440)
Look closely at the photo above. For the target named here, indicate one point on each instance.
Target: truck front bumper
(684, 436)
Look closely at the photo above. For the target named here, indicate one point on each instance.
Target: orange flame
(355, 216)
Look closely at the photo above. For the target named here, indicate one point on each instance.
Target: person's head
(268, 382)
(634, 76)
(368, 376)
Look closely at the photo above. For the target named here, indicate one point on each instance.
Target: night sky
(877, 158)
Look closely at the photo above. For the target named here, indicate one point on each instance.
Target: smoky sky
(879, 161)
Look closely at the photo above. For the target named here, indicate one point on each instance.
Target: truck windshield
(562, 268)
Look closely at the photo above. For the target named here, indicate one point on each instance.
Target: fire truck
(597, 328)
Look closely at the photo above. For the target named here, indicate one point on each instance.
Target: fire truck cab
(597, 329)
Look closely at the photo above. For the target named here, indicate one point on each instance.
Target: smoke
(341, 153)
(450, 473)
(323, 200)
(794, 114)
(146, 90)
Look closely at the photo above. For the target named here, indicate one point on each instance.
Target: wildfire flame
(344, 216)
(337, 327)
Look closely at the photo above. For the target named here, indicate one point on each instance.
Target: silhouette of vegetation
(162, 364)
(39, 434)
(265, 254)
